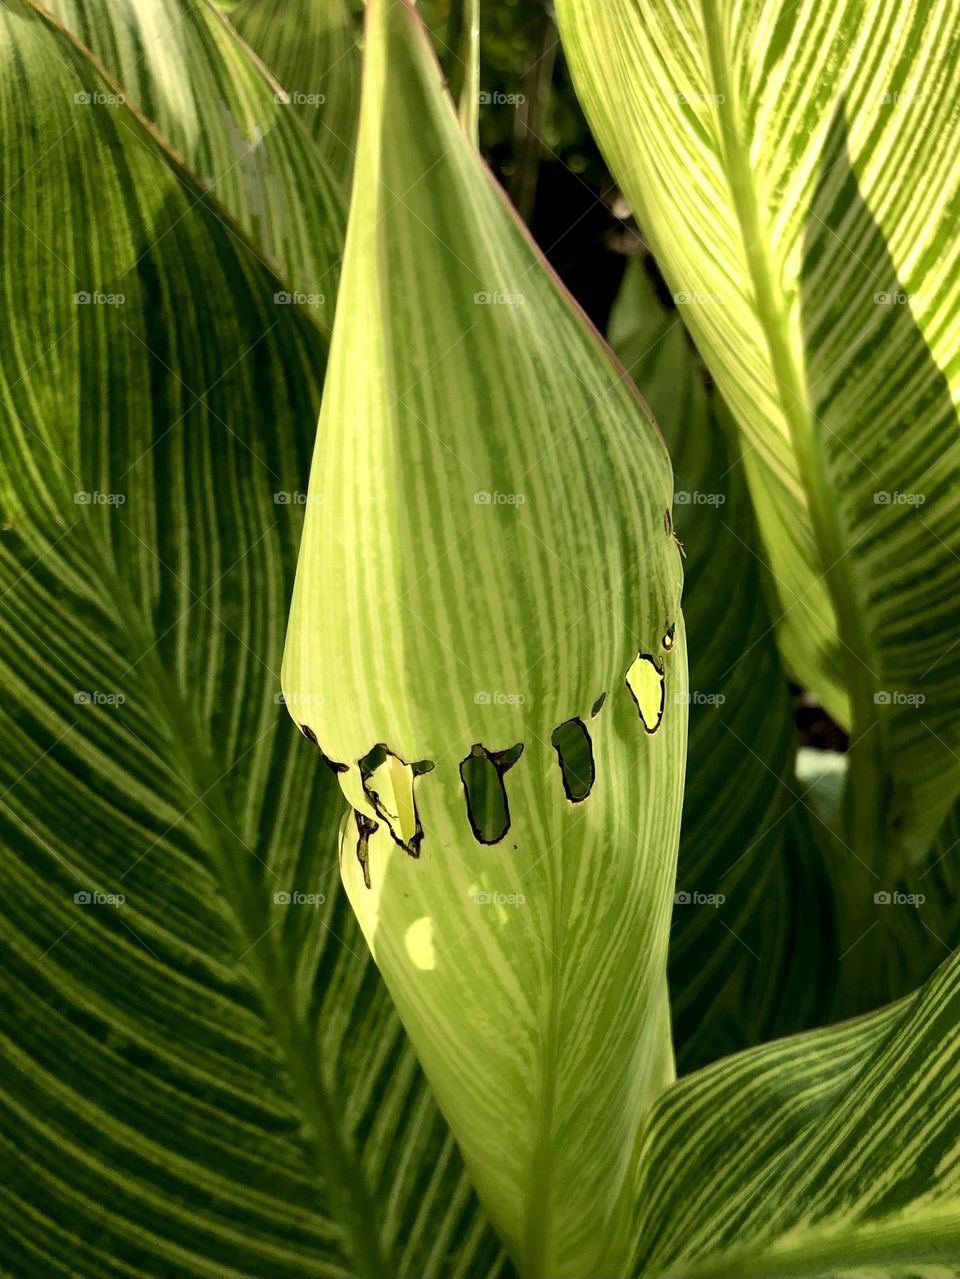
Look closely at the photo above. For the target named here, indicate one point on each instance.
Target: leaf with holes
(752, 887)
(794, 168)
(207, 1076)
(487, 595)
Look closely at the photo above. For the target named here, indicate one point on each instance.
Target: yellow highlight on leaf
(418, 940)
(645, 682)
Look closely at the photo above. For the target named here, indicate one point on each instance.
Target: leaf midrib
(266, 964)
(867, 768)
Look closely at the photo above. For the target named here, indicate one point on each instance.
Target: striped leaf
(207, 1077)
(311, 47)
(487, 552)
(752, 891)
(793, 167)
(824, 1154)
(805, 933)
(183, 66)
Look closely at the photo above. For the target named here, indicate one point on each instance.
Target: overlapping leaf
(828, 1153)
(750, 880)
(206, 1076)
(488, 550)
(311, 47)
(793, 167)
(183, 65)
(805, 931)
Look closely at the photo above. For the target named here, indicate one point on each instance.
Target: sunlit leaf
(311, 47)
(184, 67)
(794, 170)
(207, 1077)
(487, 550)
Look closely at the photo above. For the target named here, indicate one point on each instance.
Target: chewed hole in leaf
(646, 685)
(388, 785)
(311, 736)
(669, 637)
(574, 750)
(366, 827)
(482, 774)
(372, 760)
(597, 706)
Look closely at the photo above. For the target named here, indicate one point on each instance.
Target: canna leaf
(183, 65)
(823, 1154)
(800, 931)
(750, 874)
(487, 551)
(791, 165)
(311, 47)
(202, 1074)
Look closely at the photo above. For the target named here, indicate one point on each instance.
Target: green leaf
(487, 552)
(311, 47)
(749, 876)
(824, 1154)
(790, 164)
(463, 50)
(182, 64)
(806, 932)
(207, 1077)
